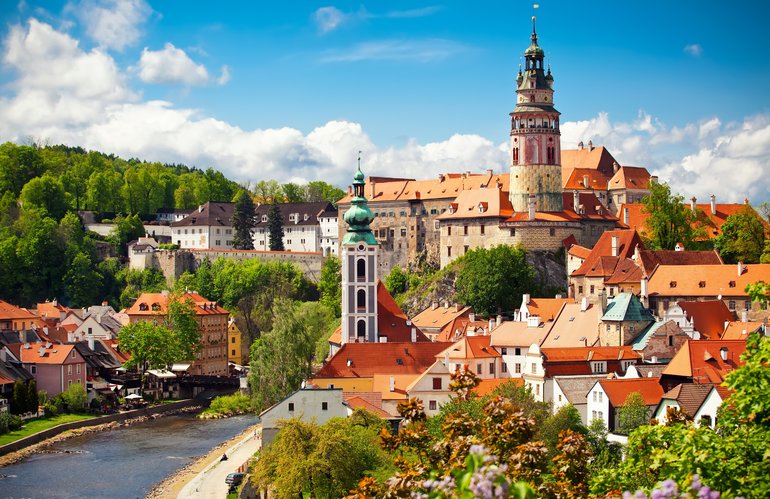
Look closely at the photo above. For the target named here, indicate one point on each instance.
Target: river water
(122, 463)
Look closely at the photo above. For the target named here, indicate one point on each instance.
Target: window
(601, 415)
(731, 304)
(593, 414)
(599, 367)
(432, 405)
(33, 369)
(580, 290)
(504, 351)
(437, 383)
(465, 230)
(513, 232)
(537, 390)
(448, 251)
(449, 230)
(69, 369)
(481, 228)
(73, 350)
(291, 406)
(517, 368)
(232, 340)
(601, 397)
(361, 269)
(560, 397)
(534, 368)
(670, 341)
(705, 421)
(492, 368)
(517, 351)
(403, 232)
(77, 369)
(595, 399)
(232, 353)
(324, 406)
(504, 367)
(478, 368)
(592, 289)
(551, 232)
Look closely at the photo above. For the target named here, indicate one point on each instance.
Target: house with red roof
(703, 361)
(686, 397)
(477, 353)
(432, 387)
(13, 318)
(439, 322)
(608, 395)
(55, 367)
(740, 330)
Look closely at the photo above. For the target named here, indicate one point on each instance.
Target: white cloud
(328, 18)
(396, 50)
(171, 65)
(113, 24)
(693, 49)
(224, 76)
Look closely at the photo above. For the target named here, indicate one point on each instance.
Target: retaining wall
(137, 413)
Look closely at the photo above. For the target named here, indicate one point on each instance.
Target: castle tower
(535, 150)
(359, 251)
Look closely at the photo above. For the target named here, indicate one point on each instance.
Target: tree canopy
(244, 220)
(632, 414)
(668, 221)
(493, 280)
(742, 238)
(275, 228)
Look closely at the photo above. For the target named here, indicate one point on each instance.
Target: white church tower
(359, 251)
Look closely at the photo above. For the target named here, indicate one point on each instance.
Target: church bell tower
(359, 251)
(535, 148)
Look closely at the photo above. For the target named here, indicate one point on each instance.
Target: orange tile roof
(573, 327)
(439, 317)
(649, 259)
(630, 177)
(55, 354)
(626, 271)
(738, 330)
(51, 309)
(589, 354)
(702, 360)
(487, 386)
(391, 320)
(381, 383)
(708, 317)
(546, 308)
(579, 251)
(600, 261)
(357, 401)
(157, 304)
(448, 186)
(705, 280)
(11, 312)
(618, 390)
(114, 345)
(336, 336)
(596, 158)
(479, 203)
(573, 179)
(470, 347)
(368, 359)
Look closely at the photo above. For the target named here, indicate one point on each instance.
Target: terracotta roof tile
(54, 354)
(366, 401)
(596, 158)
(368, 359)
(690, 396)
(518, 334)
(702, 360)
(546, 308)
(705, 280)
(579, 251)
(708, 317)
(626, 271)
(157, 304)
(630, 177)
(738, 330)
(574, 178)
(10, 312)
(470, 347)
(487, 386)
(391, 320)
(588, 354)
(479, 203)
(649, 259)
(439, 317)
(618, 390)
(600, 261)
(573, 327)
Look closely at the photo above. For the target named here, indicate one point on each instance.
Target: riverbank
(90, 426)
(170, 487)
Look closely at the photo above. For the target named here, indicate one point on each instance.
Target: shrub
(9, 422)
(50, 410)
(230, 405)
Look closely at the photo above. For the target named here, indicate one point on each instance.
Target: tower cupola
(359, 216)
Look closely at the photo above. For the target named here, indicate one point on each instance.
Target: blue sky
(291, 90)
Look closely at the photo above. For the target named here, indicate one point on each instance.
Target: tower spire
(534, 33)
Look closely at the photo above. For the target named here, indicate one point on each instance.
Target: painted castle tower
(359, 250)
(535, 150)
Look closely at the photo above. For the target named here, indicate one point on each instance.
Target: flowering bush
(669, 490)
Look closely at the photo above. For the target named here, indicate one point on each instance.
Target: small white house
(432, 388)
(319, 405)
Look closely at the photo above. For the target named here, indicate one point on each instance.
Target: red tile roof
(600, 261)
(702, 361)
(157, 304)
(579, 251)
(573, 179)
(54, 354)
(470, 347)
(546, 308)
(630, 177)
(439, 317)
(391, 320)
(597, 158)
(479, 203)
(487, 386)
(708, 317)
(586, 354)
(705, 280)
(625, 272)
(369, 401)
(368, 359)
(649, 259)
(12, 312)
(738, 330)
(618, 390)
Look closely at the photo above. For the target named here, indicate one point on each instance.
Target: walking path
(210, 483)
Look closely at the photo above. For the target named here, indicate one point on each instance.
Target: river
(122, 463)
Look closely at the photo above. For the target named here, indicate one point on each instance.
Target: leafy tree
(330, 284)
(742, 238)
(82, 282)
(606, 454)
(150, 345)
(244, 220)
(397, 281)
(275, 228)
(521, 396)
(749, 383)
(75, 180)
(294, 193)
(319, 190)
(19, 402)
(75, 398)
(18, 165)
(40, 257)
(493, 280)
(566, 418)
(46, 193)
(220, 189)
(104, 191)
(268, 191)
(632, 414)
(668, 221)
(126, 229)
(32, 396)
(184, 326)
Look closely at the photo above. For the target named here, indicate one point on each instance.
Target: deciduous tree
(330, 284)
(668, 221)
(742, 238)
(633, 413)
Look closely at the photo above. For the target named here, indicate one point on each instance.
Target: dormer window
(264, 218)
(702, 284)
(731, 284)
(143, 307)
(672, 284)
(305, 217)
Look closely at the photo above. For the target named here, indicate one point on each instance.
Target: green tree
(83, 282)
(184, 326)
(75, 397)
(75, 180)
(127, 229)
(104, 191)
(18, 165)
(294, 193)
(330, 284)
(668, 221)
(749, 383)
(41, 258)
(219, 188)
(632, 414)
(244, 220)
(397, 281)
(19, 402)
(32, 396)
(566, 418)
(150, 345)
(275, 228)
(268, 191)
(493, 280)
(319, 190)
(46, 193)
(742, 238)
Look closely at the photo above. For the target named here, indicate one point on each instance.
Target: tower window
(515, 155)
(361, 300)
(361, 329)
(361, 269)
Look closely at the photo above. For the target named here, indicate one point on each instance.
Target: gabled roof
(438, 367)
(149, 304)
(53, 354)
(470, 348)
(618, 390)
(296, 213)
(391, 320)
(630, 177)
(574, 179)
(705, 280)
(52, 309)
(12, 312)
(479, 203)
(447, 186)
(596, 158)
(626, 307)
(439, 317)
(574, 327)
(98, 358)
(708, 317)
(600, 261)
(382, 383)
(546, 308)
(689, 396)
(649, 259)
(370, 401)
(519, 334)
(589, 207)
(579, 251)
(659, 328)
(738, 330)
(487, 386)
(702, 360)
(368, 359)
(209, 214)
(575, 388)
(626, 272)
(587, 354)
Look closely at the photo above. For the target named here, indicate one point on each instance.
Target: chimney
(643, 285)
(491, 324)
(533, 321)
(200, 209)
(41, 351)
(575, 201)
(498, 320)
(580, 145)
(679, 247)
(446, 359)
(525, 298)
(615, 167)
(625, 216)
(585, 181)
(440, 177)
(558, 296)
(91, 342)
(692, 203)
(434, 305)
(746, 201)
(741, 269)
(713, 204)
(457, 307)
(392, 384)
(584, 304)
(744, 316)
(603, 300)
(414, 334)
(723, 353)
(615, 244)
(446, 304)
(590, 145)
(531, 207)
(472, 317)
(104, 303)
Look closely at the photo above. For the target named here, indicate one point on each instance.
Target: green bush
(50, 410)
(230, 405)
(9, 422)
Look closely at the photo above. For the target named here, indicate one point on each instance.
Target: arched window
(361, 269)
(361, 329)
(361, 300)
(515, 155)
